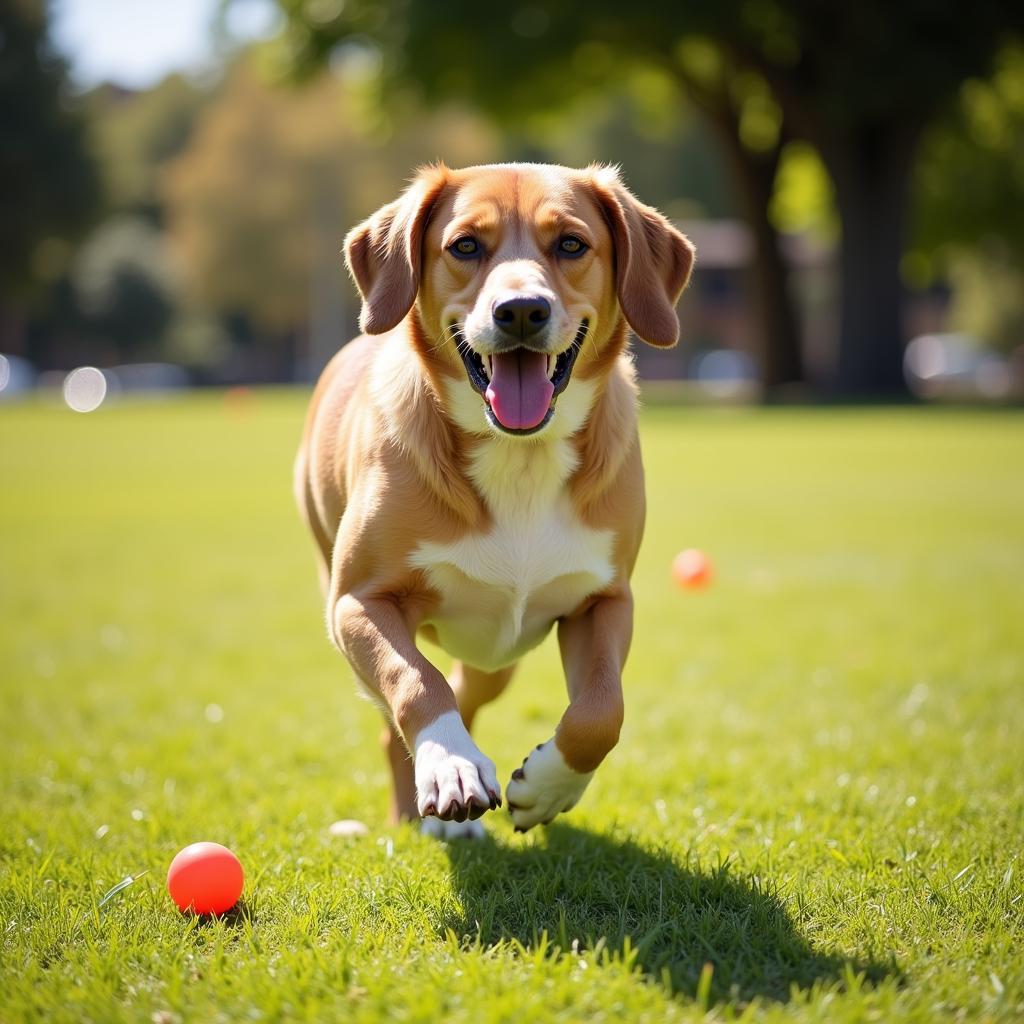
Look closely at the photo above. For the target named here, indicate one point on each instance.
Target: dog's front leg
(594, 644)
(454, 780)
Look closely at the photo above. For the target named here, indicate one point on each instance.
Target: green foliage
(760, 116)
(817, 790)
(48, 186)
(272, 179)
(135, 135)
(857, 63)
(968, 223)
(988, 297)
(857, 81)
(969, 186)
(804, 199)
(125, 286)
(669, 162)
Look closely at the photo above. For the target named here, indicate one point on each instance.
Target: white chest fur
(501, 590)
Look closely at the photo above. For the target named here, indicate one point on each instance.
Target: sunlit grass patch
(817, 792)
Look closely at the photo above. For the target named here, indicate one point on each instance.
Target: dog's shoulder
(345, 374)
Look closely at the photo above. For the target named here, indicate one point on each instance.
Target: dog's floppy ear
(384, 254)
(652, 260)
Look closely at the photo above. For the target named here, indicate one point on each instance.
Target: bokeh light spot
(85, 389)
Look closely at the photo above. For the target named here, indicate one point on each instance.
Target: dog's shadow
(674, 917)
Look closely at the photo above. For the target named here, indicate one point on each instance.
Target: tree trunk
(778, 344)
(871, 172)
(781, 355)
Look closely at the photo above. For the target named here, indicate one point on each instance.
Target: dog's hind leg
(475, 688)
(403, 791)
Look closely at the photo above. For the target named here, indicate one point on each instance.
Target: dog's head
(520, 275)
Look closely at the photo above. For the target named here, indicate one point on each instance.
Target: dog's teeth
(552, 362)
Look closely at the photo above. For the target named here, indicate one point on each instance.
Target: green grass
(818, 791)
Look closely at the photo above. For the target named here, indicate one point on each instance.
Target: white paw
(454, 781)
(543, 787)
(456, 830)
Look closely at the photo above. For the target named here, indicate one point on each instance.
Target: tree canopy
(859, 82)
(48, 184)
(134, 135)
(969, 181)
(259, 201)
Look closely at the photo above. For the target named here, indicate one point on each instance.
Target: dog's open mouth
(520, 386)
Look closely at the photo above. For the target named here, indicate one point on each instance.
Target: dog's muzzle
(520, 385)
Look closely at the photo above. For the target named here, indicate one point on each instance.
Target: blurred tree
(259, 201)
(969, 181)
(554, 54)
(969, 204)
(133, 134)
(48, 185)
(114, 297)
(804, 200)
(858, 81)
(988, 297)
(670, 161)
(748, 125)
(124, 287)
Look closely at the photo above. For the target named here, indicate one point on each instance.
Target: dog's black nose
(522, 316)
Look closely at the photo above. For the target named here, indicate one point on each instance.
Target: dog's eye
(570, 245)
(465, 248)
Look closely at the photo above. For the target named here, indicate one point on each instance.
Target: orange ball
(205, 878)
(692, 569)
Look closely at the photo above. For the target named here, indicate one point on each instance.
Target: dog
(470, 468)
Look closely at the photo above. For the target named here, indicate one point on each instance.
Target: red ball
(205, 878)
(692, 569)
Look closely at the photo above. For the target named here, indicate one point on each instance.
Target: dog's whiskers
(453, 334)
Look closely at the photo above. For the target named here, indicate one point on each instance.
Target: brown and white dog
(471, 472)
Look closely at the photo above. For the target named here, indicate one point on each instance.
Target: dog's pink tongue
(520, 391)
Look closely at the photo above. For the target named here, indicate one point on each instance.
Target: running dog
(470, 467)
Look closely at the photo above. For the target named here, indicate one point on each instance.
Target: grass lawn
(816, 811)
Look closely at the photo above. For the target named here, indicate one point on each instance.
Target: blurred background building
(176, 178)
